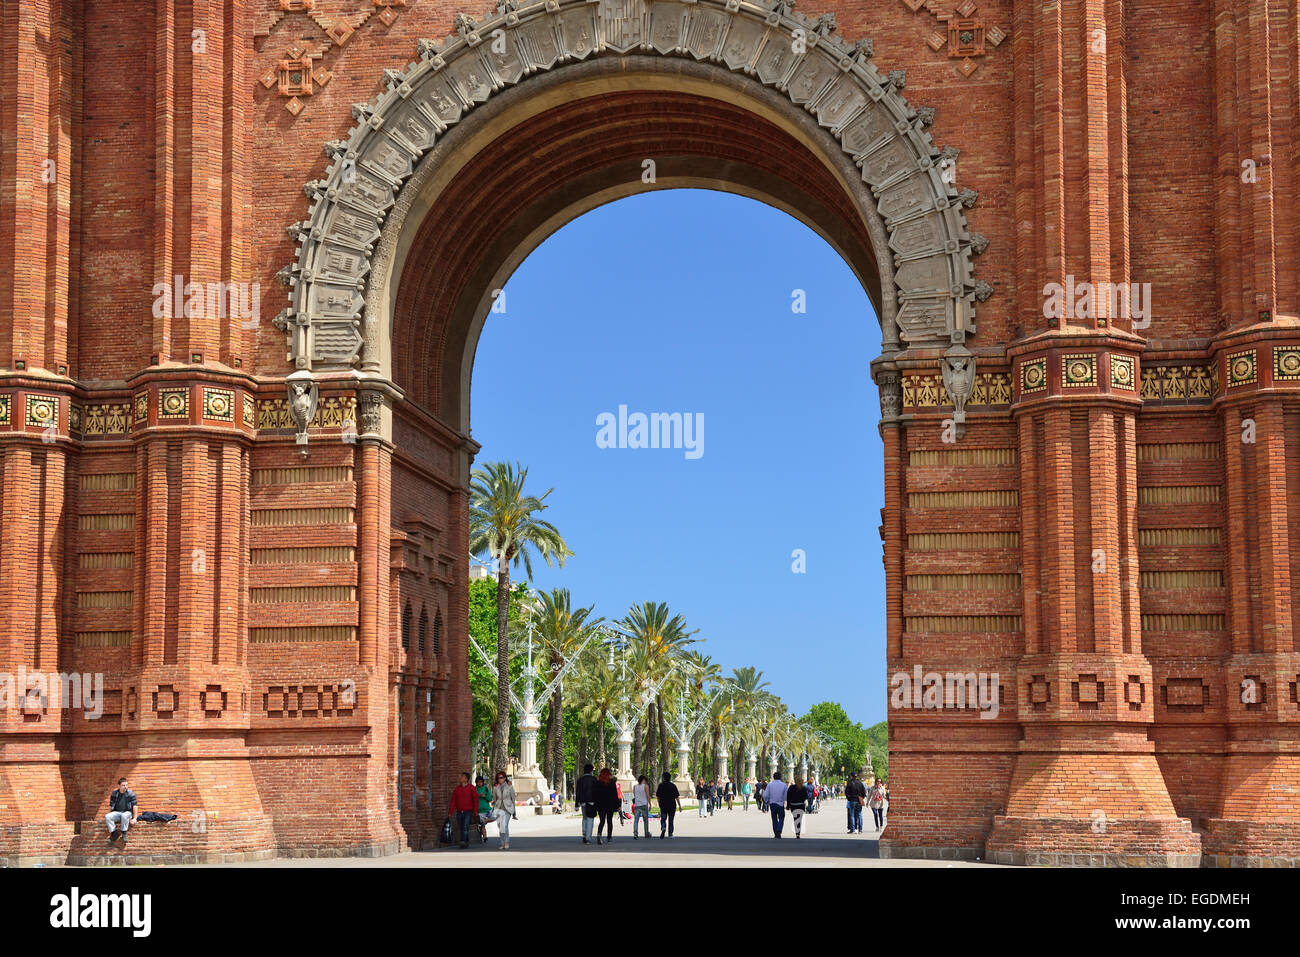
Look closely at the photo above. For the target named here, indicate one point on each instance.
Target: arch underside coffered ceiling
(859, 110)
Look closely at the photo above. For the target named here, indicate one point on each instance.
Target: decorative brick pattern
(185, 544)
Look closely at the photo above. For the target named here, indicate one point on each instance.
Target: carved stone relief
(833, 80)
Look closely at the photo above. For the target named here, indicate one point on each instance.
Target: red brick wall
(244, 604)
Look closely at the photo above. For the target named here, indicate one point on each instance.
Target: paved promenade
(727, 839)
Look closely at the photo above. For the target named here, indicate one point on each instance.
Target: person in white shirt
(774, 796)
(641, 805)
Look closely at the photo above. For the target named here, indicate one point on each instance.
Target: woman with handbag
(607, 803)
(503, 803)
(876, 799)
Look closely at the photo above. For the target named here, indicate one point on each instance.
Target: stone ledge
(917, 852)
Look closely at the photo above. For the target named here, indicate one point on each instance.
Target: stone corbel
(304, 393)
(891, 396)
(958, 367)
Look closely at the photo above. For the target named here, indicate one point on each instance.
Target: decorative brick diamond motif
(1040, 692)
(309, 701)
(165, 701)
(35, 703)
(1185, 695)
(1135, 692)
(1088, 692)
(1253, 692)
(213, 701)
(965, 35)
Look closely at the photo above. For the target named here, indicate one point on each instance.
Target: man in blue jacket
(774, 795)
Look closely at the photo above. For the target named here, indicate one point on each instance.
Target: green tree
(878, 742)
(562, 629)
(658, 640)
(504, 524)
(483, 684)
(851, 740)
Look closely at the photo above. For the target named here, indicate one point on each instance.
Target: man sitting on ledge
(121, 810)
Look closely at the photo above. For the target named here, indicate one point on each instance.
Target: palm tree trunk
(557, 745)
(501, 729)
(600, 739)
(546, 746)
(663, 735)
(647, 758)
(581, 757)
(637, 733)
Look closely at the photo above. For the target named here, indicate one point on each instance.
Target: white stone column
(751, 766)
(528, 779)
(683, 779)
(624, 773)
(721, 758)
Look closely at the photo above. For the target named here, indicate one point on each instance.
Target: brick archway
(924, 285)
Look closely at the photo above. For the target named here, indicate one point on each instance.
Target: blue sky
(680, 301)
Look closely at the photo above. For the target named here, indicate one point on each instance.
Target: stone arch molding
(863, 111)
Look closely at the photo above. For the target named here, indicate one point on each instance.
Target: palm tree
(660, 639)
(562, 630)
(503, 523)
(750, 694)
(600, 691)
(702, 671)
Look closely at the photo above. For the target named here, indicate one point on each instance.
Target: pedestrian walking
(746, 791)
(464, 805)
(670, 801)
(702, 795)
(503, 805)
(774, 798)
(796, 802)
(485, 813)
(607, 804)
(713, 797)
(855, 795)
(641, 805)
(876, 799)
(762, 786)
(730, 796)
(584, 798)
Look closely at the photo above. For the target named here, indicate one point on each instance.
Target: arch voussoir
(930, 248)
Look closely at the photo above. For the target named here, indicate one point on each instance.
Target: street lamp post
(529, 780)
